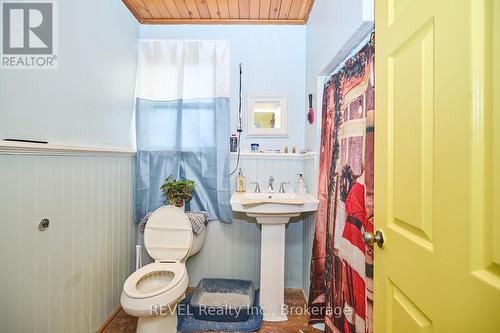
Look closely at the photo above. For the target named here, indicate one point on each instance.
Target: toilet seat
(166, 298)
(178, 270)
(168, 234)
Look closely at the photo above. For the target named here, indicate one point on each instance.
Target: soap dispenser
(240, 182)
(301, 185)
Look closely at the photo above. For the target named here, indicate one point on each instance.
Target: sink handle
(282, 187)
(257, 187)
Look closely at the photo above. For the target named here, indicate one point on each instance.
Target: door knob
(370, 239)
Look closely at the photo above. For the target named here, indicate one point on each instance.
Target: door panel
(495, 111)
(486, 146)
(437, 166)
(404, 316)
(395, 7)
(411, 72)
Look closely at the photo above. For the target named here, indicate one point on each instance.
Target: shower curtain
(182, 123)
(341, 292)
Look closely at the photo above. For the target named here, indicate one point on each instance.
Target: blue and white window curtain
(182, 123)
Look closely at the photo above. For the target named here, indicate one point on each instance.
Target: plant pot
(179, 204)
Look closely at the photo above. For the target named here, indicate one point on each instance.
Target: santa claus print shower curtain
(341, 292)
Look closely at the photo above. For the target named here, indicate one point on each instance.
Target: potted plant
(177, 192)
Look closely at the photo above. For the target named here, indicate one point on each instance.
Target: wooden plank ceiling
(220, 11)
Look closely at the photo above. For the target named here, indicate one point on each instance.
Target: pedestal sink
(273, 211)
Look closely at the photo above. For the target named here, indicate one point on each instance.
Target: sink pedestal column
(272, 265)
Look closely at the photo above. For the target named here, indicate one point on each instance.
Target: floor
(297, 322)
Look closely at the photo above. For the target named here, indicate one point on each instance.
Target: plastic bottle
(233, 143)
(301, 185)
(240, 182)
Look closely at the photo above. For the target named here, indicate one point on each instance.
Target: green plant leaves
(177, 191)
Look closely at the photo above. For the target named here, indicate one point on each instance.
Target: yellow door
(437, 166)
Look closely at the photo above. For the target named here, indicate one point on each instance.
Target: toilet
(153, 292)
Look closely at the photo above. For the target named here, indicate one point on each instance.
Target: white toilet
(153, 292)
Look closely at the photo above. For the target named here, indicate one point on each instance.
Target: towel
(198, 221)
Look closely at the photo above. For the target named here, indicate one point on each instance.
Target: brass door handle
(370, 239)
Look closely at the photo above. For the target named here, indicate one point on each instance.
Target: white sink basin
(273, 203)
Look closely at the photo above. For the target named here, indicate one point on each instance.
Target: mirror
(267, 115)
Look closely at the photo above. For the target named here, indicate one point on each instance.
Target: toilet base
(157, 324)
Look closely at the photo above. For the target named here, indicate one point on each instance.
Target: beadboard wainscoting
(233, 250)
(69, 277)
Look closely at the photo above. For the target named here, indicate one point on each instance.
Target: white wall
(333, 29)
(89, 99)
(273, 60)
(68, 278)
(331, 25)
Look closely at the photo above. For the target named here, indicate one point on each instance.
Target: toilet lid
(168, 234)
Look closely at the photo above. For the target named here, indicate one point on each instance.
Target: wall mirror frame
(267, 115)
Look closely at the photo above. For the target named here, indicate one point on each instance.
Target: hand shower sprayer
(240, 126)
(239, 129)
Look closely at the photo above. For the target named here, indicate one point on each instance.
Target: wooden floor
(296, 323)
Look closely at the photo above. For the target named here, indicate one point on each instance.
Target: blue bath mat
(188, 323)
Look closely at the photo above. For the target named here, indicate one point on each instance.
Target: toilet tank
(198, 241)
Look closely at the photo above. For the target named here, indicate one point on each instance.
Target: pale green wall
(68, 278)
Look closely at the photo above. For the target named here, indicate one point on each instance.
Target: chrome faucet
(270, 188)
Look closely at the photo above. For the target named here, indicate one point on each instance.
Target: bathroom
(78, 176)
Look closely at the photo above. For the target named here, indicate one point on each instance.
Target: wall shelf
(274, 156)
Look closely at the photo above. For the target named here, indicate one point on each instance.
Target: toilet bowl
(153, 292)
